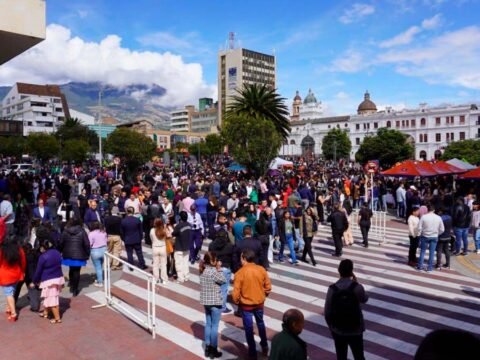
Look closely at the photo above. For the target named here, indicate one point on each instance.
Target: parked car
(20, 169)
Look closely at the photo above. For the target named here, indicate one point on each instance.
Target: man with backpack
(343, 312)
(339, 223)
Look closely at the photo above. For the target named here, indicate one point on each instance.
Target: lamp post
(334, 150)
(99, 122)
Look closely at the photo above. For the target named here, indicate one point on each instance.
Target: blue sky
(403, 51)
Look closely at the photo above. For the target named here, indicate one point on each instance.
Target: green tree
(262, 103)
(74, 129)
(135, 149)
(199, 148)
(14, 146)
(388, 146)
(43, 146)
(75, 150)
(214, 144)
(252, 141)
(465, 149)
(336, 145)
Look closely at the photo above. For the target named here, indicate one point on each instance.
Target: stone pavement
(404, 306)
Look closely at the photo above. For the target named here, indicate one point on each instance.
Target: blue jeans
(375, 203)
(212, 319)
(461, 235)
(431, 242)
(301, 242)
(97, 260)
(247, 317)
(274, 226)
(291, 247)
(224, 287)
(476, 238)
(400, 209)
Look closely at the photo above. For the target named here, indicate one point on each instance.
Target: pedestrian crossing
(404, 304)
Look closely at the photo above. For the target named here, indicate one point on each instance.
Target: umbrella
(472, 174)
(461, 164)
(443, 167)
(273, 172)
(410, 168)
(236, 167)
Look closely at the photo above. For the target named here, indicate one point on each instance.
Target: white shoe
(98, 285)
(166, 282)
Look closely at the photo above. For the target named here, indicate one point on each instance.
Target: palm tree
(261, 101)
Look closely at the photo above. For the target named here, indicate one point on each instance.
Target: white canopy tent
(279, 162)
(461, 164)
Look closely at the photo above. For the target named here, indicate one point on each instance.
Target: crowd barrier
(377, 228)
(146, 318)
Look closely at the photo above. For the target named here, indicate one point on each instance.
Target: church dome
(367, 106)
(310, 98)
(297, 97)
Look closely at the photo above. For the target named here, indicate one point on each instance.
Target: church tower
(297, 101)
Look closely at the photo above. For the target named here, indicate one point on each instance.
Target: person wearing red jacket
(12, 270)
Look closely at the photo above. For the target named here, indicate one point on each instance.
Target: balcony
(22, 25)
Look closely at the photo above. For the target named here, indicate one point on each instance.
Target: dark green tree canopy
(389, 146)
(73, 129)
(465, 149)
(43, 146)
(75, 150)
(261, 102)
(135, 149)
(14, 146)
(336, 144)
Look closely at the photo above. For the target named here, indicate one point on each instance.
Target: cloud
(356, 13)
(62, 58)
(408, 35)
(451, 58)
(167, 41)
(350, 61)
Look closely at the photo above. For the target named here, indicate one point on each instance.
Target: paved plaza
(404, 306)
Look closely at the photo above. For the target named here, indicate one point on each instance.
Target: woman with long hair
(12, 270)
(171, 271)
(212, 209)
(98, 242)
(309, 231)
(50, 277)
(211, 279)
(158, 234)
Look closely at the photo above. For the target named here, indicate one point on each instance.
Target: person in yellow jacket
(250, 289)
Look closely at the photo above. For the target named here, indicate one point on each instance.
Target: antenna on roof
(231, 40)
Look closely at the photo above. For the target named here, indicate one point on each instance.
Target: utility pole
(334, 150)
(99, 122)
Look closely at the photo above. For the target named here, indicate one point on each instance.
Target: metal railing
(377, 228)
(148, 320)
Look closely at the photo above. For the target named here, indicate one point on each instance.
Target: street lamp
(99, 122)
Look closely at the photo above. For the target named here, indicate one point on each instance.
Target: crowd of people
(50, 220)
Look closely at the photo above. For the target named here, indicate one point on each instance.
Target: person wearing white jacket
(429, 227)
(414, 236)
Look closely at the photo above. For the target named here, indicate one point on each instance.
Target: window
(462, 119)
(413, 123)
(423, 122)
(20, 107)
(389, 124)
(397, 123)
(462, 135)
(403, 123)
(438, 137)
(375, 125)
(292, 142)
(449, 120)
(425, 138)
(407, 123)
(437, 121)
(420, 139)
(452, 136)
(357, 141)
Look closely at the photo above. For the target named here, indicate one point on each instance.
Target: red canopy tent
(472, 174)
(410, 168)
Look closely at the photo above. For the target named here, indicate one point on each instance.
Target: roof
(310, 98)
(40, 90)
(108, 120)
(323, 120)
(297, 96)
(367, 104)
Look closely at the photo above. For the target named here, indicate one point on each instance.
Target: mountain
(125, 103)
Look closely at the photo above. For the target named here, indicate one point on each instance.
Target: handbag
(169, 244)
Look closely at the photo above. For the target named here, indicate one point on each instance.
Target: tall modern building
(205, 104)
(40, 108)
(236, 67)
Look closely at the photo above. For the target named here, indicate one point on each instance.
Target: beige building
(181, 119)
(237, 67)
(22, 25)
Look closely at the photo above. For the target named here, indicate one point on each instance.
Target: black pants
(308, 249)
(365, 228)
(412, 250)
(342, 342)
(146, 230)
(265, 241)
(138, 251)
(74, 277)
(443, 247)
(337, 240)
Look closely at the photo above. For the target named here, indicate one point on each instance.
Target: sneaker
(428, 271)
(445, 266)
(296, 263)
(464, 253)
(166, 282)
(226, 311)
(419, 268)
(438, 267)
(99, 285)
(477, 251)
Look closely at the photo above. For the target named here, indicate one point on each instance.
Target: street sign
(372, 166)
(116, 160)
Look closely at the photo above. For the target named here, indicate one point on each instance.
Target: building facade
(205, 121)
(85, 119)
(181, 119)
(40, 108)
(238, 66)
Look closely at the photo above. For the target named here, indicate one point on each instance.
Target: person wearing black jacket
(75, 248)
(364, 221)
(31, 257)
(248, 242)
(461, 218)
(223, 250)
(182, 233)
(113, 227)
(338, 221)
(263, 228)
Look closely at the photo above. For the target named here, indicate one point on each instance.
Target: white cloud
(342, 95)
(350, 61)
(451, 58)
(403, 38)
(408, 35)
(62, 58)
(166, 41)
(356, 13)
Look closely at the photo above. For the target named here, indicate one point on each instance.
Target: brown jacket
(251, 286)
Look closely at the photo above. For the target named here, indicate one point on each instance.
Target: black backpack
(346, 312)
